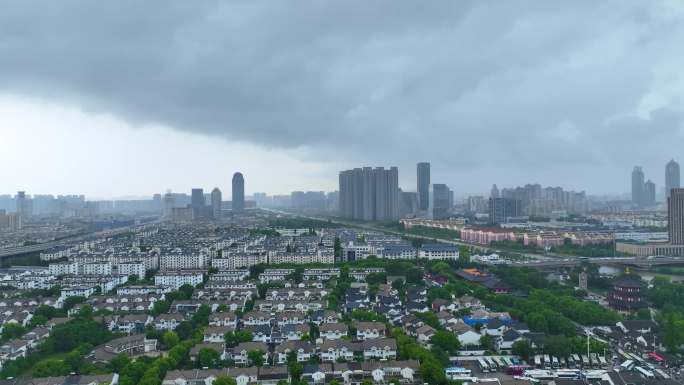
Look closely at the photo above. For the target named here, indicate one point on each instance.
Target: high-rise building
(501, 209)
(495, 192)
(423, 185)
(440, 201)
(216, 198)
(238, 193)
(671, 177)
(370, 194)
(408, 203)
(649, 193)
(24, 206)
(675, 216)
(198, 201)
(638, 187)
(169, 204)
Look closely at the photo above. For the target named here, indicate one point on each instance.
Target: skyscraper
(500, 209)
(649, 193)
(675, 216)
(198, 201)
(440, 201)
(495, 192)
(638, 187)
(423, 185)
(370, 194)
(216, 198)
(238, 193)
(671, 177)
(24, 206)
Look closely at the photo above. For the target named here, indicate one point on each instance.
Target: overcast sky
(115, 98)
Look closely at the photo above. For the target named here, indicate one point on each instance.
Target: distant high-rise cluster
(370, 194)
(671, 177)
(238, 203)
(423, 185)
(643, 193)
(535, 200)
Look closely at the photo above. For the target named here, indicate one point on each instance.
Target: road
(4, 253)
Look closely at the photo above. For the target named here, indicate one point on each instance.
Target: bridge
(9, 252)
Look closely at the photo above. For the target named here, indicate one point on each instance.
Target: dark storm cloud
(461, 83)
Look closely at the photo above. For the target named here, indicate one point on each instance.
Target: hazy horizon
(131, 99)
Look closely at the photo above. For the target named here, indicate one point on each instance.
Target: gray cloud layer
(479, 85)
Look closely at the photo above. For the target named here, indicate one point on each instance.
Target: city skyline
(521, 107)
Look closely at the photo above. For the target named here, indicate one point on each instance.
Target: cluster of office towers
(644, 192)
(198, 207)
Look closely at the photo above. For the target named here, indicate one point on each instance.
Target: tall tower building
(24, 205)
(671, 177)
(495, 192)
(197, 199)
(169, 204)
(440, 201)
(675, 216)
(216, 198)
(649, 193)
(423, 185)
(638, 187)
(238, 193)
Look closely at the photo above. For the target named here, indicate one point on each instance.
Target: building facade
(238, 204)
(370, 194)
(423, 185)
(672, 176)
(675, 216)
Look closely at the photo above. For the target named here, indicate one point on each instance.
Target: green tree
(447, 341)
(487, 342)
(12, 330)
(208, 358)
(70, 302)
(119, 362)
(256, 357)
(523, 349)
(186, 291)
(170, 339)
(224, 380)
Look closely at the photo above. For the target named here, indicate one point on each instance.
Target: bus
(554, 362)
(458, 373)
(627, 365)
(594, 360)
(570, 374)
(507, 361)
(492, 365)
(562, 362)
(540, 374)
(537, 361)
(602, 361)
(484, 368)
(517, 370)
(576, 358)
(499, 362)
(585, 361)
(547, 361)
(661, 373)
(571, 362)
(646, 373)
